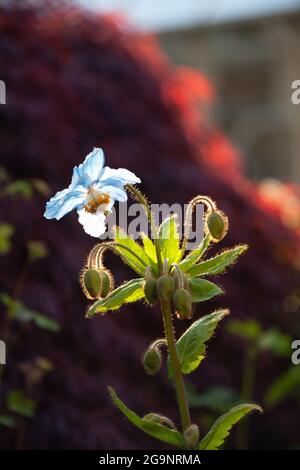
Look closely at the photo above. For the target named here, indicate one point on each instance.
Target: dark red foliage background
(74, 81)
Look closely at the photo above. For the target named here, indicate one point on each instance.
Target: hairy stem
(177, 374)
(99, 249)
(140, 198)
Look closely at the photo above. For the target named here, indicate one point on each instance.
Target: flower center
(95, 200)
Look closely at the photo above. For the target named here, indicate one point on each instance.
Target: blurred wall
(252, 65)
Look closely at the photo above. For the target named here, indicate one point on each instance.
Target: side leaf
(219, 263)
(158, 431)
(150, 251)
(202, 290)
(283, 386)
(194, 256)
(18, 403)
(169, 239)
(221, 428)
(138, 265)
(128, 292)
(191, 345)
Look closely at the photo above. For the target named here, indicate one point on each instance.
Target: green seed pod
(217, 225)
(91, 283)
(150, 291)
(191, 435)
(165, 287)
(152, 360)
(183, 303)
(159, 419)
(106, 282)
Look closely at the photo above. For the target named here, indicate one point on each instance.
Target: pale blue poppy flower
(93, 191)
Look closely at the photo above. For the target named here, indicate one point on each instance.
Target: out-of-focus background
(194, 97)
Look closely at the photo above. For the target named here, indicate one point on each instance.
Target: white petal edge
(93, 224)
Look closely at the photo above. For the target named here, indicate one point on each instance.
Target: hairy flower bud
(217, 224)
(91, 283)
(165, 287)
(191, 435)
(159, 419)
(151, 291)
(106, 282)
(183, 303)
(95, 283)
(152, 360)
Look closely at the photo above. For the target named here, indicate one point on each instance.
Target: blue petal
(115, 192)
(91, 169)
(65, 201)
(118, 177)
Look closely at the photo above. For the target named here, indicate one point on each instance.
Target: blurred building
(252, 64)
(250, 52)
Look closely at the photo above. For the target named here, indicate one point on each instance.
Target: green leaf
(18, 403)
(6, 232)
(44, 322)
(18, 311)
(248, 329)
(169, 239)
(275, 341)
(138, 265)
(158, 431)
(283, 386)
(20, 187)
(221, 428)
(217, 398)
(36, 250)
(150, 251)
(202, 290)
(130, 291)
(219, 263)
(194, 256)
(8, 421)
(191, 345)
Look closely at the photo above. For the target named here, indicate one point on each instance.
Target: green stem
(140, 198)
(101, 247)
(176, 370)
(247, 389)
(209, 203)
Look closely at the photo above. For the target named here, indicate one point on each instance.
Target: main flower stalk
(175, 364)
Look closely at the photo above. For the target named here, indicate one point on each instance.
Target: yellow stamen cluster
(92, 205)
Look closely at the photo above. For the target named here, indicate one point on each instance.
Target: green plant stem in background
(247, 389)
(177, 374)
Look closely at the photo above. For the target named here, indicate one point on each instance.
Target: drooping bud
(183, 303)
(106, 282)
(159, 419)
(217, 224)
(152, 360)
(151, 291)
(165, 287)
(180, 280)
(191, 435)
(91, 283)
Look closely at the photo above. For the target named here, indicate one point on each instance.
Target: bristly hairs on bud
(152, 358)
(209, 203)
(150, 287)
(159, 419)
(216, 225)
(191, 435)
